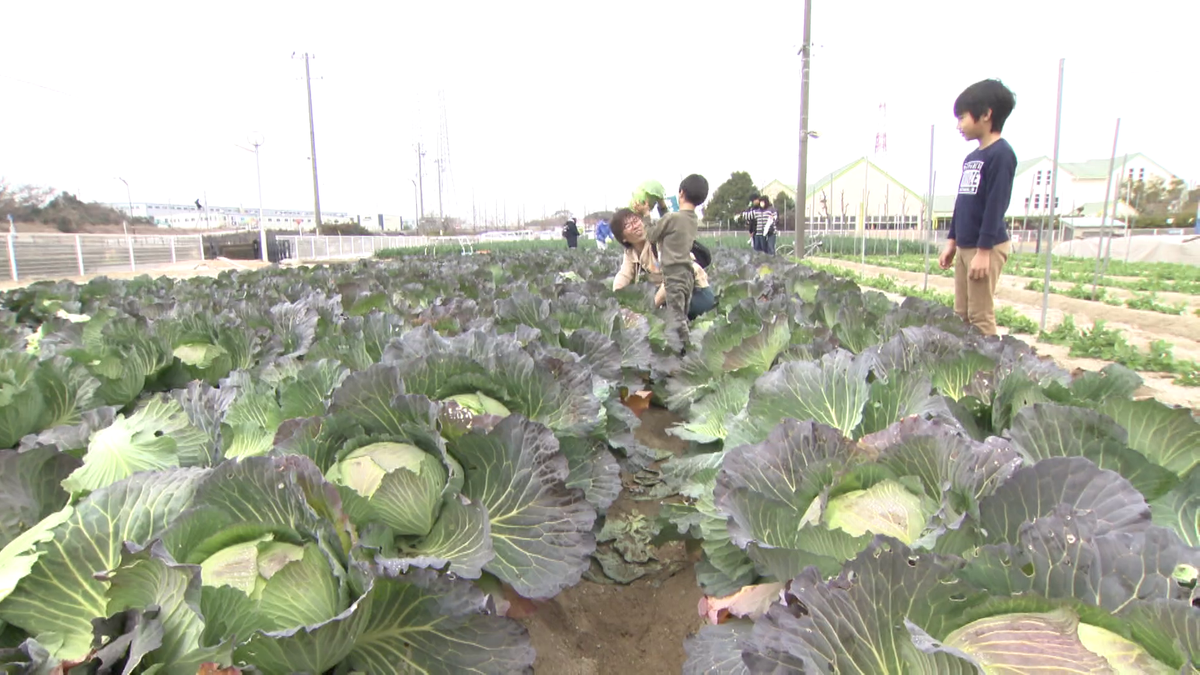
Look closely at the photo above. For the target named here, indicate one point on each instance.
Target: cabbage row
(353, 469)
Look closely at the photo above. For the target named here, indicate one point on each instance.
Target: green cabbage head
(402, 483)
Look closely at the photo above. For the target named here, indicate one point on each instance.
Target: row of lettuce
(355, 467)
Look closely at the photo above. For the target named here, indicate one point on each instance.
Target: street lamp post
(416, 205)
(262, 226)
(128, 200)
(256, 140)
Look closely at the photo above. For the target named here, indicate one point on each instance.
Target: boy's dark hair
(983, 96)
(617, 224)
(694, 189)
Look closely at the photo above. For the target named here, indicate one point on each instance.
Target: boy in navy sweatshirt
(978, 235)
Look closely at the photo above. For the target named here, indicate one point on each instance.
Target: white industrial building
(1080, 191)
(187, 216)
(862, 191)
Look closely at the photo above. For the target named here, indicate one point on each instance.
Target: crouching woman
(640, 263)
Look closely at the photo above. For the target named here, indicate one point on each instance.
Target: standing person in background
(570, 232)
(761, 222)
(749, 220)
(771, 230)
(978, 235)
(673, 237)
(603, 234)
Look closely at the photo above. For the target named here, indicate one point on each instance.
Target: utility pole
(1053, 196)
(802, 177)
(256, 141)
(312, 135)
(420, 183)
(416, 213)
(262, 226)
(441, 214)
(1104, 215)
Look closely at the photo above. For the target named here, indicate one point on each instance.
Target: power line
(35, 84)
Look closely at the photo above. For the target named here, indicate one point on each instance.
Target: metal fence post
(313, 244)
(12, 257)
(132, 262)
(200, 240)
(79, 254)
(172, 240)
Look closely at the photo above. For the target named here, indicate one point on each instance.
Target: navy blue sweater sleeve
(952, 236)
(998, 184)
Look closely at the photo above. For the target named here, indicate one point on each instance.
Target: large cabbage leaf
(1047, 430)
(551, 391)
(541, 529)
(30, 487)
(831, 391)
(422, 622)
(856, 622)
(87, 543)
(775, 494)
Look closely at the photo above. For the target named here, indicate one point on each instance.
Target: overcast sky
(557, 103)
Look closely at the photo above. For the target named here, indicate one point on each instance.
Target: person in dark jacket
(571, 233)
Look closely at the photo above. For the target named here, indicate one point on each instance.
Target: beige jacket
(634, 266)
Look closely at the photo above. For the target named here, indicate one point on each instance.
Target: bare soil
(1164, 297)
(635, 629)
(1140, 327)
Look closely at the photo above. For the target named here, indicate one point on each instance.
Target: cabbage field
(365, 468)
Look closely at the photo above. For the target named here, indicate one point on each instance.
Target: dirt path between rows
(598, 629)
(1164, 297)
(1140, 328)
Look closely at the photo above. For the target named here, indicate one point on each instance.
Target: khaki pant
(678, 281)
(973, 299)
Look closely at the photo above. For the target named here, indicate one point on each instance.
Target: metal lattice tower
(881, 135)
(443, 154)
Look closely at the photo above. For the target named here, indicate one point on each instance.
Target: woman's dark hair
(619, 220)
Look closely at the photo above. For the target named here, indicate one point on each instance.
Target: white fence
(348, 248)
(56, 256)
